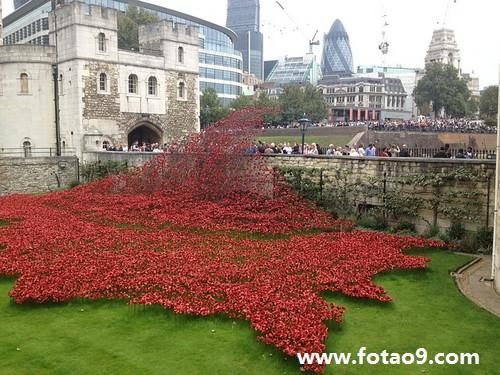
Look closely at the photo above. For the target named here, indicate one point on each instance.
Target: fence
(430, 152)
(435, 129)
(33, 152)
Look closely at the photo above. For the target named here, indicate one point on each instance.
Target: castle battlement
(84, 15)
(157, 32)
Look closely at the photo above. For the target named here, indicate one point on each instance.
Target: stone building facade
(364, 98)
(106, 96)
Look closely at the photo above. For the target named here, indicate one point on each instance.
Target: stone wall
(36, 175)
(182, 113)
(133, 159)
(376, 170)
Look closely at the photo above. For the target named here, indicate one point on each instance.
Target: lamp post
(304, 123)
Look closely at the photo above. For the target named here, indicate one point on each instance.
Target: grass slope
(112, 338)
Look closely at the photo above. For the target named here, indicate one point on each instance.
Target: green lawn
(323, 140)
(112, 338)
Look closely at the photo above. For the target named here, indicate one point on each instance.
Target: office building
(243, 17)
(337, 55)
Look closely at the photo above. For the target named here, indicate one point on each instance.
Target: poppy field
(202, 231)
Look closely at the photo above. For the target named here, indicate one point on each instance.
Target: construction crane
(312, 42)
(384, 46)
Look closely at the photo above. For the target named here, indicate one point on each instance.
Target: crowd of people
(136, 147)
(440, 125)
(359, 150)
(417, 125)
(353, 150)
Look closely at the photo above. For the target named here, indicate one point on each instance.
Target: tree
(211, 108)
(488, 104)
(297, 101)
(264, 101)
(242, 101)
(128, 26)
(472, 108)
(314, 104)
(442, 87)
(291, 102)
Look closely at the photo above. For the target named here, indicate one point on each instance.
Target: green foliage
(242, 101)
(314, 105)
(128, 26)
(472, 107)
(373, 219)
(432, 232)
(306, 181)
(295, 101)
(488, 104)
(263, 101)
(211, 108)
(456, 231)
(405, 226)
(442, 86)
(73, 184)
(401, 204)
(95, 171)
(462, 174)
(483, 239)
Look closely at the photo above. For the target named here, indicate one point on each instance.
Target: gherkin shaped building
(337, 54)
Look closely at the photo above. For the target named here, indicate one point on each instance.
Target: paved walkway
(473, 282)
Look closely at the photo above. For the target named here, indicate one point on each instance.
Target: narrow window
(180, 55)
(182, 88)
(27, 149)
(132, 84)
(101, 41)
(103, 82)
(152, 86)
(24, 83)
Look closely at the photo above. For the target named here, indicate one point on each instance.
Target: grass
(111, 338)
(323, 140)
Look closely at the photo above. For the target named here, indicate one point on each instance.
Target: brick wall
(36, 175)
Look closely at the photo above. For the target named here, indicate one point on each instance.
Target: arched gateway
(145, 133)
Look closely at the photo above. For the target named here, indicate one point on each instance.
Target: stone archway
(145, 133)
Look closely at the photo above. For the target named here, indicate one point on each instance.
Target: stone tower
(443, 49)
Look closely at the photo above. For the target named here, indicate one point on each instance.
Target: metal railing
(34, 152)
(429, 153)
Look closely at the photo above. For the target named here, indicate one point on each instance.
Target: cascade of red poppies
(203, 229)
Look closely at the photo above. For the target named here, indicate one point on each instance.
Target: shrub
(73, 184)
(373, 220)
(456, 231)
(483, 239)
(405, 226)
(96, 171)
(432, 232)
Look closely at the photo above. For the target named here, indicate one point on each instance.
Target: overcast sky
(411, 23)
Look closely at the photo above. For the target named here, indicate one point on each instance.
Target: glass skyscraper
(337, 54)
(243, 17)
